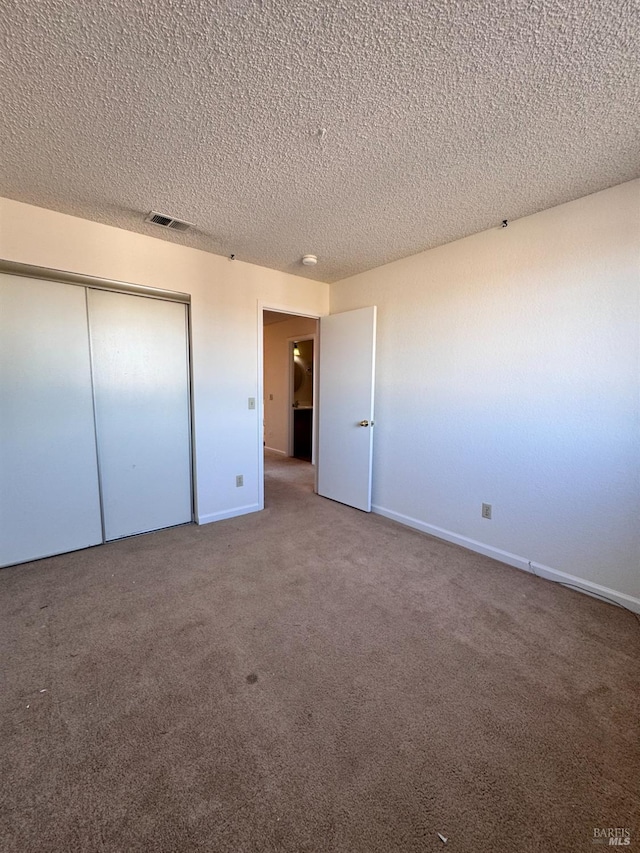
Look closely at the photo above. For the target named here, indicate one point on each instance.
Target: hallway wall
(276, 378)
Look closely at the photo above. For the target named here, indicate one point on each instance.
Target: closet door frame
(31, 271)
(97, 283)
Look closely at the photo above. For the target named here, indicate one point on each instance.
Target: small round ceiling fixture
(309, 260)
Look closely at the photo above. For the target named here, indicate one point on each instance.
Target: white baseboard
(228, 513)
(274, 450)
(518, 562)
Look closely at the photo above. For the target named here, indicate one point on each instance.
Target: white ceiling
(358, 130)
(271, 317)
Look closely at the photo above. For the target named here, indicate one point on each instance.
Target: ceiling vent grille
(165, 221)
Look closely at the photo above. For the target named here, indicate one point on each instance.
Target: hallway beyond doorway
(282, 474)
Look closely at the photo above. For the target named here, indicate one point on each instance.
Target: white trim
(228, 513)
(588, 587)
(275, 450)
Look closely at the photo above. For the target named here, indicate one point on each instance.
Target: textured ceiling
(359, 130)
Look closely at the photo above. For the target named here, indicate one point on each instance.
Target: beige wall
(225, 296)
(508, 372)
(276, 378)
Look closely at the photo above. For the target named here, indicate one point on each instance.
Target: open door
(345, 424)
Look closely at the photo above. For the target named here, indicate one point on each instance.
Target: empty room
(319, 426)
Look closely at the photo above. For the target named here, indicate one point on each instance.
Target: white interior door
(140, 372)
(49, 498)
(345, 424)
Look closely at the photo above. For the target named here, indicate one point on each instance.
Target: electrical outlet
(239, 480)
(486, 511)
(252, 402)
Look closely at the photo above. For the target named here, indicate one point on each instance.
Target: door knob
(363, 423)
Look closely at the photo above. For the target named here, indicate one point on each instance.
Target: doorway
(289, 352)
(342, 455)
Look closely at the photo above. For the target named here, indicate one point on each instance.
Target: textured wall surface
(224, 316)
(508, 372)
(362, 131)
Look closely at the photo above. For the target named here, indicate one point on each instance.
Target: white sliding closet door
(141, 387)
(49, 499)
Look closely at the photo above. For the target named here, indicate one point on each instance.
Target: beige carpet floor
(310, 678)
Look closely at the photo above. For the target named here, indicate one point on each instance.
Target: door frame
(291, 341)
(267, 305)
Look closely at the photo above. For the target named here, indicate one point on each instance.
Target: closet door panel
(49, 498)
(140, 372)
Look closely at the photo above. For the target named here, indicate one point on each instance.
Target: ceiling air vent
(167, 221)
